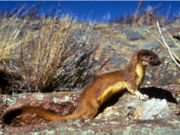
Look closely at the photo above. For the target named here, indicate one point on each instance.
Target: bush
(46, 54)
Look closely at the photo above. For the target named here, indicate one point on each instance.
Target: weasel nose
(158, 62)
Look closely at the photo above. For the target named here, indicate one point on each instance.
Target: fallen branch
(169, 50)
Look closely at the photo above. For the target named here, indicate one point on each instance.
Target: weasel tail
(100, 89)
(48, 115)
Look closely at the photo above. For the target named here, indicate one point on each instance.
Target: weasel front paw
(141, 96)
(144, 97)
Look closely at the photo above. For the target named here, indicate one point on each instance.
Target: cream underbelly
(119, 86)
(111, 90)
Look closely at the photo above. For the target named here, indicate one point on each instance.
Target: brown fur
(102, 87)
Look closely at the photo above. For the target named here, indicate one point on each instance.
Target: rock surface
(153, 109)
(122, 114)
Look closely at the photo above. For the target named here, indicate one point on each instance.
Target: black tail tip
(9, 116)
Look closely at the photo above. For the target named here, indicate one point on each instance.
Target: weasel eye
(151, 58)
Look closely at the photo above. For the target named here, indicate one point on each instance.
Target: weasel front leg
(133, 90)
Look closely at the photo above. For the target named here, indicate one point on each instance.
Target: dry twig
(169, 50)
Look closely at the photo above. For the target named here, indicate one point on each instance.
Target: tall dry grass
(45, 54)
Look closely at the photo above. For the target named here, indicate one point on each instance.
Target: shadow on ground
(154, 92)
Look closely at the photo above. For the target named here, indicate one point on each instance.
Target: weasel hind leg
(87, 109)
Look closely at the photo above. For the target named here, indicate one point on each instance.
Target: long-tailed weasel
(100, 89)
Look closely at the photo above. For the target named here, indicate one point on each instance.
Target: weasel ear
(137, 55)
(141, 53)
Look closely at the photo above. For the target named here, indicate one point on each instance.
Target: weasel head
(148, 57)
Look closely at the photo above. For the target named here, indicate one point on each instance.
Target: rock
(150, 45)
(117, 61)
(132, 35)
(153, 109)
(117, 117)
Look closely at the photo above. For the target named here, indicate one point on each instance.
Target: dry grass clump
(45, 54)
